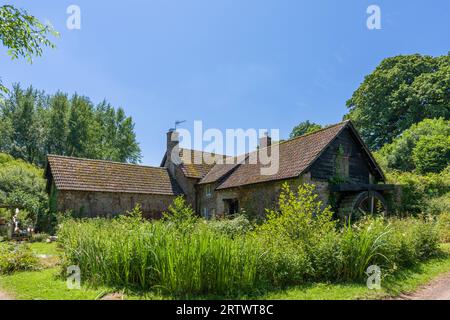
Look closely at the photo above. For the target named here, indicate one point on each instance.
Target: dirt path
(437, 289)
(4, 296)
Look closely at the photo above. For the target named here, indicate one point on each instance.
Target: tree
(424, 148)
(432, 153)
(303, 128)
(22, 185)
(23, 34)
(34, 124)
(57, 128)
(402, 91)
(125, 143)
(81, 129)
(21, 114)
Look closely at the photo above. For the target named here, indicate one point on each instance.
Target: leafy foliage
(232, 226)
(418, 190)
(432, 153)
(304, 128)
(23, 34)
(402, 91)
(180, 213)
(424, 147)
(22, 185)
(17, 258)
(301, 216)
(34, 124)
(298, 244)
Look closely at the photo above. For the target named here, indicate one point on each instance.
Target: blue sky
(230, 63)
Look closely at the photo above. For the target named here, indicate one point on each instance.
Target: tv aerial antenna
(178, 122)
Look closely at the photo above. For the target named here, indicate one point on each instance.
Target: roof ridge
(317, 131)
(105, 161)
(279, 143)
(212, 153)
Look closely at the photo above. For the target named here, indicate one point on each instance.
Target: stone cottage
(335, 159)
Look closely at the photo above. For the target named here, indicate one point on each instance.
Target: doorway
(231, 206)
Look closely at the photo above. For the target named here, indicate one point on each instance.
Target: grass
(44, 248)
(46, 285)
(403, 281)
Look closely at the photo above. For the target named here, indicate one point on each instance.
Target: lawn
(48, 285)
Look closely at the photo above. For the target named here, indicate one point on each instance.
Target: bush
(439, 205)
(233, 226)
(17, 258)
(423, 147)
(432, 153)
(39, 237)
(23, 185)
(418, 190)
(282, 263)
(443, 225)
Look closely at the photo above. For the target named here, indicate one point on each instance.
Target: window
(342, 164)
(205, 213)
(208, 191)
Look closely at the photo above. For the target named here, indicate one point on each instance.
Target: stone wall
(255, 199)
(106, 204)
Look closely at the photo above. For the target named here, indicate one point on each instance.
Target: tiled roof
(194, 165)
(217, 172)
(106, 176)
(295, 156)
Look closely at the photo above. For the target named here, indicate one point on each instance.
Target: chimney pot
(265, 141)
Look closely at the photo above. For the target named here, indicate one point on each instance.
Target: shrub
(432, 153)
(233, 226)
(423, 147)
(23, 185)
(439, 205)
(180, 213)
(301, 217)
(39, 237)
(443, 225)
(417, 190)
(17, 258)
(282, 263)
(426, 239)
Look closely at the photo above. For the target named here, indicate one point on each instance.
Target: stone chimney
(173, 147)
(265, 141)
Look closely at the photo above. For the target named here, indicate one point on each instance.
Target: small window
(342, 166)
(208, 191)
(205, 213)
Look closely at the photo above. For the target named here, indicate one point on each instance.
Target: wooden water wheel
(362, 204)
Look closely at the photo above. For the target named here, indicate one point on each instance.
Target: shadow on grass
(400, 281)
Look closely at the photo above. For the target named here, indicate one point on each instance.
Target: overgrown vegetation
(16, 257)
(423, 148)
(298, 244)
(22, 185)
(422, 193)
